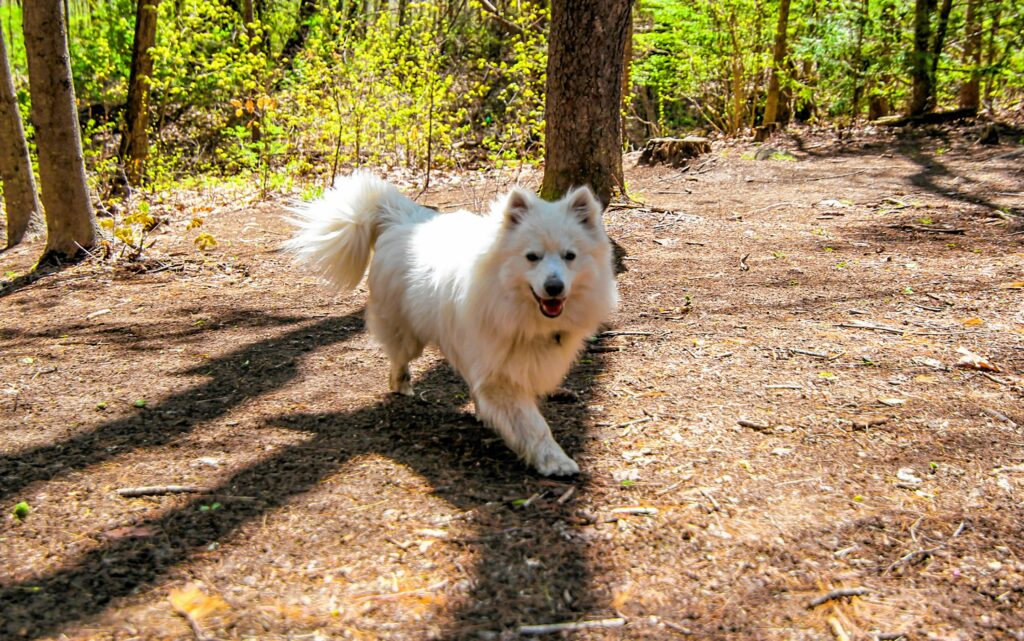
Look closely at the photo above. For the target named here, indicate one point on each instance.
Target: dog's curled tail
(336, 232)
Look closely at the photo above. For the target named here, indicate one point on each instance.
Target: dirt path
(866, 460)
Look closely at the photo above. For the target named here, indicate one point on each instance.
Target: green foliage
(453, 86)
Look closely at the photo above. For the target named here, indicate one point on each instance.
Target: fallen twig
(153, 490)
(566, 495)
(549, 628)
(648, 511)
(743, 263)
(930, 230)
(753, 425)
(609, 334)
(924, 552)
(877, 328)
(784, 386)
(808, 353)
(836, 594)
(635, 421)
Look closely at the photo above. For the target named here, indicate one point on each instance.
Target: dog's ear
(584, 207)
(516, 207)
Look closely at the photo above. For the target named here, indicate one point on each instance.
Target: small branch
(877, 328)
(925, 552)
(760, 427)
(808, 353)
(154, 490)
(836, 594)
(502, 20)
(635, 421)
(572, 626)
(928, 229)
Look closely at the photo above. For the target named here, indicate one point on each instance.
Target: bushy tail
(337, 232)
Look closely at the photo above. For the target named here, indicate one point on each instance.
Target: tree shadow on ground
(437, 440)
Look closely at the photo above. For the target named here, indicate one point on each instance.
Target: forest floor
(778, 412)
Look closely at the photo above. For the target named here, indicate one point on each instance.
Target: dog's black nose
(553, 287)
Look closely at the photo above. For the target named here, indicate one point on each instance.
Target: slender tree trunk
(70, 225)
(736, 81)
(858, 61)
(583, 128)
(993, 52)
(15, 165)
(771, 107)
(936, 53)
(297, 39)
(921, 92)
(969, 92)
(402, 7)
(134, 149)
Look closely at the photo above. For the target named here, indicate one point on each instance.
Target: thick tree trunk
(922, 89)
(970, 91)
(70, 225)
(15, 165)
(583, 128)
(134, 148)
(771, 108)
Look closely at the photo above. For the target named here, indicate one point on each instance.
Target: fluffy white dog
(508, 297)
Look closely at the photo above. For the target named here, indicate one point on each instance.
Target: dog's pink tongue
(553, 306)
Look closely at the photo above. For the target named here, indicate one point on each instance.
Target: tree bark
(859, 66)
(771, 107)
(15, 165)
(583, 128)
(922, 86)
(940, 40)
(993, 50)
(134, 149)
(970, 91)
(70, 225)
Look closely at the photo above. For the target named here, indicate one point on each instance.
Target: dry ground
(867, 458)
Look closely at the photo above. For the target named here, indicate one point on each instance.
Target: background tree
(15, 165)
(970, 91)
(920, 58)
(134, 149)
(778, 59)
(583, 130)
(70, 227)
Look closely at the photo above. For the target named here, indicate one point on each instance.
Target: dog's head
(556, 255)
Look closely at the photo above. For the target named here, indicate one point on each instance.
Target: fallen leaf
(192, 603)
(971, 360)
(1016, 285)
(972, 322)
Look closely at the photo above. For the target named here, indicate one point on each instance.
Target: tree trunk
(583, 128)
(15, 165)
(134, 149)
(922, 90)
(771, 107)
(940, 40)
(859, 66)
(993, 51)
(969, 92)
(70, 225)
(307, 9)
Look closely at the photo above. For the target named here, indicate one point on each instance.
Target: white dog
(508, 297)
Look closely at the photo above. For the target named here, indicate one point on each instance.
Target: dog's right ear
(516, 207)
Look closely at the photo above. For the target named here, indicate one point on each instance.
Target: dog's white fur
(472, 285)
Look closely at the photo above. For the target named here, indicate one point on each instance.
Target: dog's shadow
(465, 464)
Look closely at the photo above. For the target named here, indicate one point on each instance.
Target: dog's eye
(532, 257)
(570, 255)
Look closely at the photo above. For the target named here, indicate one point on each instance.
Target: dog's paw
(550, 460)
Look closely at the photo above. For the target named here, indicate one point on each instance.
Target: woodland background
(288, 88)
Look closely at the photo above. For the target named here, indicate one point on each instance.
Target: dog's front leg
(519, 422)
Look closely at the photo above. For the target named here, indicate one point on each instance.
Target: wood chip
(753, 425)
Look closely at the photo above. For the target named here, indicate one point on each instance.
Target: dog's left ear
(584, 206)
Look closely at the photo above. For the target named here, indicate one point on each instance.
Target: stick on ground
(153, 490)
(571, 626)
(837, 594)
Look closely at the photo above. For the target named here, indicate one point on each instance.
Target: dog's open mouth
(550, 307)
